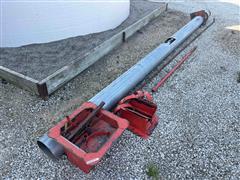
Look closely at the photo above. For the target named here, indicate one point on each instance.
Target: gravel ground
(198, 136)
(41, 60)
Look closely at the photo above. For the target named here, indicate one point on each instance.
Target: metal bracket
(42, 91)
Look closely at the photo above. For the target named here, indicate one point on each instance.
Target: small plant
(238, 77)
(152, 171)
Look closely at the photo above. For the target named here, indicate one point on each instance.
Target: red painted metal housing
(87, 149)
(140, 111)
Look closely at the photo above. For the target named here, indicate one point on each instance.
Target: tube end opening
(50, 147)
(46, 150)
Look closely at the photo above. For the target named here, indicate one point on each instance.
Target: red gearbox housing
(140, 111)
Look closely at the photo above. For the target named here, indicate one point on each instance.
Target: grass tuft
(153, 172)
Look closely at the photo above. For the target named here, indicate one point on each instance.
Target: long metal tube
(119, 88)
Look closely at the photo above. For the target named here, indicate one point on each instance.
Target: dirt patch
(229, 40)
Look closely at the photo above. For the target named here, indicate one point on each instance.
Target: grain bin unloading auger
(87, 134)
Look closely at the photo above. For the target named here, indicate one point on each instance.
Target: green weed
(152, 171)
